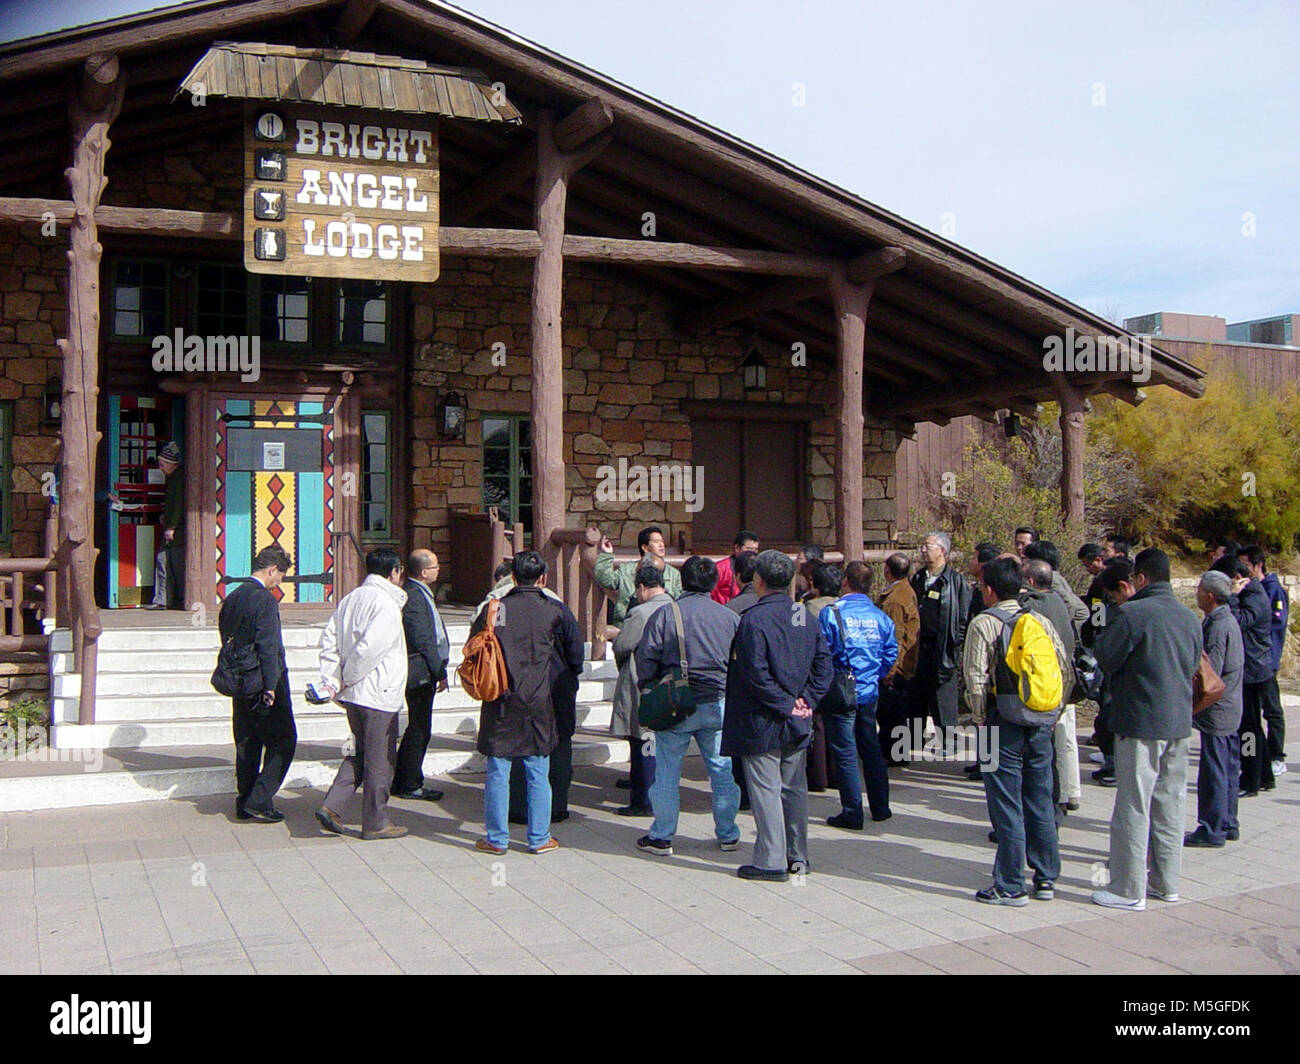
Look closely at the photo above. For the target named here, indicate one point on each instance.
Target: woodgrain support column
(198, 567)
(547, 405)
(851, 302)
(1072, 402)
(583, 135)
(91, 110)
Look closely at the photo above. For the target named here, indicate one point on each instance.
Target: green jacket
(621, 579)
(173, 514)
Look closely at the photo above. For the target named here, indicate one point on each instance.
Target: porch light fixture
(1011, 424)
(451, 417)
(52, 403)
(754, 371)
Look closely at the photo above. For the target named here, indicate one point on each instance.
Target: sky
(1130, 155)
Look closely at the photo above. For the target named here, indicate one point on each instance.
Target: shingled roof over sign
(950, 333)
(344, 78)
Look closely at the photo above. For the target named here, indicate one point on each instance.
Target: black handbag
(669, 700)
(842, 698)
(239, 671)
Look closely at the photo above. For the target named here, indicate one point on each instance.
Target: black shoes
(1104, 777)
(265, 816)
(1243, 793)
(329, 821)
(424, 794)
(1200, 840)
(623, 785)
(881, 817)
(1233, 834)
(657, 847)
(767, 875)
(799, 868)
(839, 820)
(634, 810)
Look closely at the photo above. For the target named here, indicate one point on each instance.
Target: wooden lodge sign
(330, 192)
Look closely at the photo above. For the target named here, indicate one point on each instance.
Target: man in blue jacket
(1280, 604)
(861, 640)
(1250, 607)
(779, 669)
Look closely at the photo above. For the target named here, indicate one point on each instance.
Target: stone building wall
(33, 312)
(627, 369)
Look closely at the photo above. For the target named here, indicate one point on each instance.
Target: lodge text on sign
(353, 198)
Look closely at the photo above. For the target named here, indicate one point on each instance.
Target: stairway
(162, 732)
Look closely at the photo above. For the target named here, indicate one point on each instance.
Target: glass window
(507, 468)
(139, 298)
(376, 475)
(285, 302)
(222, 293)
(363, 312)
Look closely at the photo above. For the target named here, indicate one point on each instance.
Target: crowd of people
(796, 675)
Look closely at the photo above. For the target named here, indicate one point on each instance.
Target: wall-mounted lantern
(451, 417)
(52, 403)
(754, 371)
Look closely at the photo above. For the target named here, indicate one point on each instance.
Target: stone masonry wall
(626, 371)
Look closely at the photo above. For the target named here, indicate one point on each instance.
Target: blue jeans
(670, 748)
(851, 736)
(496, 800)
(1019, 795)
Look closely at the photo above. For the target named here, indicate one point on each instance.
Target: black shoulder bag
(842, 698)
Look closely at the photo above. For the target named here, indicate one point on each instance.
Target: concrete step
(44, 781)
(117, 693)
(202, 727)
(205, 637)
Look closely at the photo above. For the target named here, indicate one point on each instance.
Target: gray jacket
(623, 721)
(1223, 647)
(708, 629)
(1049, 604)
(1075, 606)
(1149, 651)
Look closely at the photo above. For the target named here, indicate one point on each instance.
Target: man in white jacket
(363, 667)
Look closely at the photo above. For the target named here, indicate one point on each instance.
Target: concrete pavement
(180, 886)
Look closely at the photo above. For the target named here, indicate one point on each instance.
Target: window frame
(138, 338)
(387, 534)
(515, 420)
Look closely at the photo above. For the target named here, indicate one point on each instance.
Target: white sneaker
(1279, 768)
(1114, 901)
(1171, 896)
(1097, 759)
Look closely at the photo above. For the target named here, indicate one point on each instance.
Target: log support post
(1072, 402)
(582, 135)
(850, 301)
(92, 108)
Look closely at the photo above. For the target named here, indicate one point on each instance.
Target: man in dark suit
(427, 652)
(780, 669)
(265, 735)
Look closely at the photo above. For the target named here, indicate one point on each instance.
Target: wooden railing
(18, 597)
(574, 580)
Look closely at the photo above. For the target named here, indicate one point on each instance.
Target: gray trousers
(1147, 824)
(375, 735)
(778, 796)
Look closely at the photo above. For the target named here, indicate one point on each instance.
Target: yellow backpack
(1027, 682)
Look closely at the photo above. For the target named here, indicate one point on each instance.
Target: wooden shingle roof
(343, 78)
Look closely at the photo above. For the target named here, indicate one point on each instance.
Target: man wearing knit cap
(169, 562)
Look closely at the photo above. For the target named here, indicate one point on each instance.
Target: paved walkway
(180, 886)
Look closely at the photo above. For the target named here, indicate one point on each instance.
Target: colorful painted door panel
(138, 427)
(275, 484)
